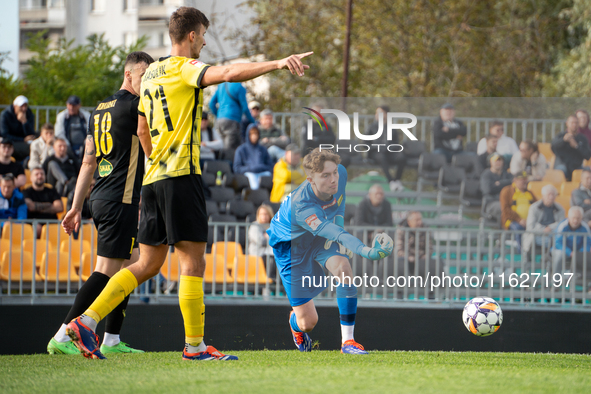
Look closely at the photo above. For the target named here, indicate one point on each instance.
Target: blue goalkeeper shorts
(301, 266)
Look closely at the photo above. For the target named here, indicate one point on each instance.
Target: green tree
(10, 87)
(417, 48)
(92, 71)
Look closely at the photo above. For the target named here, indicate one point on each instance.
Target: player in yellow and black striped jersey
(112, 145)
(173, 205)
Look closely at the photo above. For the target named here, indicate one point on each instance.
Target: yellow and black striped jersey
(171, 99)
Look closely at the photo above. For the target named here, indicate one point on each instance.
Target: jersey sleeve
(343, 177)
(192, 72)
(140, 108)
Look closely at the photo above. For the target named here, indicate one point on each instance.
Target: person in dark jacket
(570, 148)
(12, 202)
(581, 197)
(374, 210)
(448, 133)
(61, 168)
(492, 181)
(17, 123)
(252, 159)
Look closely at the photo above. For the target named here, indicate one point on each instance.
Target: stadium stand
(257, 197)
(450, 179)
(413, 151)
(470, 193)
(469, 163)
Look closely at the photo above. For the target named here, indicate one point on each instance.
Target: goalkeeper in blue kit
(307, 234)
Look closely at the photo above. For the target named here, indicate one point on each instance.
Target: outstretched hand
(294, 63)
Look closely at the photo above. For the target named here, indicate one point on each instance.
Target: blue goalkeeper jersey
(303, 216)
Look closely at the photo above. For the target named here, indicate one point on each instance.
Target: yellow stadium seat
(88, 233)
(250, 269)
(545, 149)
(11, 266)
(567, 188)
(5, 246)
(564, 202)
(576, 177)
(86, 267)
(20, 232)
(536, 187)
(216, 269)
(53, 233)
(228, 249)
(556, 177)
(49, 267)
(61, 214)
(75, 250)
(171, 269)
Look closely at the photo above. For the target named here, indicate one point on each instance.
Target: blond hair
(314, 161)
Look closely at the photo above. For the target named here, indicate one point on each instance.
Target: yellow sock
(119, 287)
(192, 308)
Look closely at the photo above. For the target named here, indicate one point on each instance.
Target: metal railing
(453, 266)
(540, 130)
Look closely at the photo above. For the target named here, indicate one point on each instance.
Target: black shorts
(173, 210)
(116, 224)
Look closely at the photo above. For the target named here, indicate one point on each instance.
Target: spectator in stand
(228, 104)
(570, 148)
(17, 123)
(530, 160)
(85, 213)
(407, 246)
(383, 158)
(255, 110)
(566, 245)
(543, 217)
(506, 146)
(12, 203)
(583, 119)
(448, 133)
(492, 182)
(252, 159)
(43, 202)
(42, 147)
(320, 135)
(71, 125)
(288, 174)
(581, 197)
(272, 137)
(61, 168)
(491, 147)
(374, 210)
(7, 166)
(515, 203)
(258, 239)
(211, 142)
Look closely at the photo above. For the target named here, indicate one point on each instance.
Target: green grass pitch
(293, 372)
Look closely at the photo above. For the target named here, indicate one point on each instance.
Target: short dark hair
(138, 57)
(495, 123)
(185, 20)
(47, 126)
(7, 177)
(491, 137)
(531, 145)
(384, 108)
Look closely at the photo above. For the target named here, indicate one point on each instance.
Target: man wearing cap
(492, 181)
(288, 173)
(71, 125)
(228, 104)
(515, 203)
(17, 123)
(7, 166)
(448, 133)
(255, 110)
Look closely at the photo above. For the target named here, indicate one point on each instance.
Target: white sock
(347, 332)
(88, 322)
(196, 349)
(61, 335)
(111, 339)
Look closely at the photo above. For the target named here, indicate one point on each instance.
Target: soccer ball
(482, 316)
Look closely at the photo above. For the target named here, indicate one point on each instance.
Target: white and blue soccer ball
(482, 316)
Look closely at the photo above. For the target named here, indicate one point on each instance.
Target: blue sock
(293, 322)
(347, 302)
